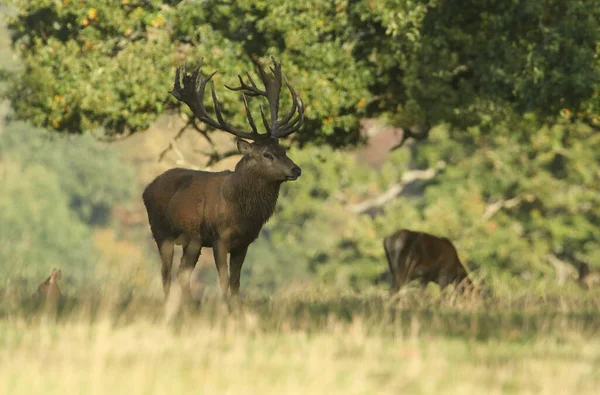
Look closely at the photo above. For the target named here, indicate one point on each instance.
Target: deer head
(265, 156)
(269, 159)
(55, 275)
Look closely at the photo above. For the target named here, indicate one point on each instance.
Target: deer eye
(268, 156)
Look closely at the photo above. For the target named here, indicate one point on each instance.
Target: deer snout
(295, 172)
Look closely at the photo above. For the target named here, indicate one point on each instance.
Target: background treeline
(501, 99)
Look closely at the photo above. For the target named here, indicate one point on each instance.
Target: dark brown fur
(419, 255)
(224, 210)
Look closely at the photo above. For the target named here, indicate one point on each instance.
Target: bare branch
(113, 138)
(173, 146)
(563, 269)
(190, 121)
(396, 190)
(170, 146)
(181, 159)
(215, 156)
(493, 208)
(203, 132)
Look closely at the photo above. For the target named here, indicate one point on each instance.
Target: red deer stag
(419, 255)
(223, 210)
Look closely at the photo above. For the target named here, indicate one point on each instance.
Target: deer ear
(244, 147)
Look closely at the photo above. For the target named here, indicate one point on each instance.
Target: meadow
(512, 93)
(305, 339)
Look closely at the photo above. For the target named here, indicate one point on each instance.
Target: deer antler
(192, 93)
(277, 128)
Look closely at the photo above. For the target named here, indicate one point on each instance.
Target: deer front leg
(220, 253)
(235, 268)
(401, 275)
(191, 253)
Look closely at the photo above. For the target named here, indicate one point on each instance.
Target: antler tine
(271, 92)
(249, 114)
(285, 127)
(264, 119)
(253, 84)
(250, 90)
(216, 103)
(273, 88)
(290, 114)
(293, 126)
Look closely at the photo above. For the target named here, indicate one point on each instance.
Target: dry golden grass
(305, 341)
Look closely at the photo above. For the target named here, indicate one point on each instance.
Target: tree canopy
(108, 65)
(503, 95)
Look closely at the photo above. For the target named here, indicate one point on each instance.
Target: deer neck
(253, 196)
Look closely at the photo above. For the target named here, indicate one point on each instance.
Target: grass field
(305, 341)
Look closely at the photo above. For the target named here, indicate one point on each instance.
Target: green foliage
(463, 61)
(92, 174)
(39, 231)
(56, 189)
(549, 173)
(99, 64)
(511, 89)
(312, 232)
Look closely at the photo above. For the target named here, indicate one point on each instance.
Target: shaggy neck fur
(253, 195)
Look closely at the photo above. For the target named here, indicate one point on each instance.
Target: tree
(517, 202)
(95, 64)
(93, 177)
(56, 191)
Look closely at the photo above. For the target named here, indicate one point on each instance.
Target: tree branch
(181, 159)
(561, 267)
(493, 208)
(214, 156)
(190, 122)
(396, 190)
(172, 142)
(113, 138)
(419, 132)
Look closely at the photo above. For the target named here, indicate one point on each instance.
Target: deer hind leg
(407, 272)
(235, 268)
(445, 278)
(220, 253)
(391, 265)
(166, 249)
(191, 253)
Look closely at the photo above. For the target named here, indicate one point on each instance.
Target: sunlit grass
(307, 340)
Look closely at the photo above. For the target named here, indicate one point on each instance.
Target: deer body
(49, 289)
(210, 207)
(419, 255)
(223, 210)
